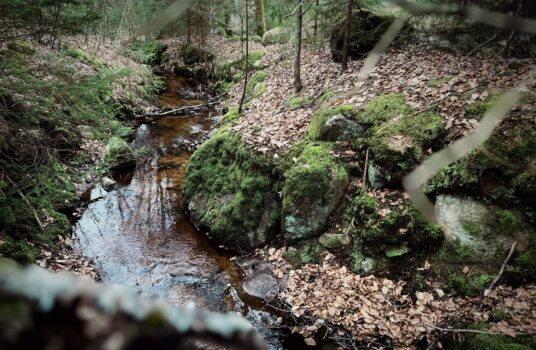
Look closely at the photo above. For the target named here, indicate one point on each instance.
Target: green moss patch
(18, 250)
(150, 52)
(398, 136)
(306, 252)
(276, 35)
(192, 55)
(255, 86)
(398, 233)
(229, 189)
(476, 341)
(335, 124)
(297, 102)
(487, 173)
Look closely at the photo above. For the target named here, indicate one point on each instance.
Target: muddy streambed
(138, 234)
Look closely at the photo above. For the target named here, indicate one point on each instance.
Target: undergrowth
(49, 108)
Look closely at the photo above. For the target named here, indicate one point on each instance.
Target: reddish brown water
(139, 236)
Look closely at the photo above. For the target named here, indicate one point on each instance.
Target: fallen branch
(501, 271)
(480, 46)
(365, 170)
(23, 197)
(461, 330)
(177, 111)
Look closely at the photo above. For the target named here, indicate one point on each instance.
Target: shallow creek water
(138, 234)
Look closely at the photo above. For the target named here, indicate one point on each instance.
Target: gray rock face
(108, 184)
(340, 128)
(259, 281)
(486, 231)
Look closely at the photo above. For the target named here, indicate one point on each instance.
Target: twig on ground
(365, 170)
(461, 330)
(501, 271)
(480, 46)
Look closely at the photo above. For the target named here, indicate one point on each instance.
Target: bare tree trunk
(203, 24)
(246, 62)
(260, 17)
(227, 21)
(189, 25)
(316, 18)
(347, 31)
(297, 48)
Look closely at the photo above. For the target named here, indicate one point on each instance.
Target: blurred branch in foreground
(41, 310)
(171, 13)
(475, 13)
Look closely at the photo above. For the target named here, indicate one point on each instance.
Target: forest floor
(328, 293)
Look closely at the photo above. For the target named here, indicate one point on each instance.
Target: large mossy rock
(313, 189)
(396, 135)
(367, 29)
(502, 171)
(276, 35)
(192, 55)
(228, 189)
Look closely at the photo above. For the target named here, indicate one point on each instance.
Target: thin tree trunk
(316, 19)
(203, 25)
(260, 17)
(189, 25)
(246, 62)
(227, 20)
(297, 48)
(347, 31)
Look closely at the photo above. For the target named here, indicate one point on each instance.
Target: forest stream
(138, 234)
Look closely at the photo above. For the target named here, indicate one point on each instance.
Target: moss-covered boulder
(384, 235)
(192, 55)
(335, 124)
(313, 189)
(119, 154)
(367, 29)
(500, 171)
(399, 137)
(150, 52)
(276, 35)
(229, 190)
